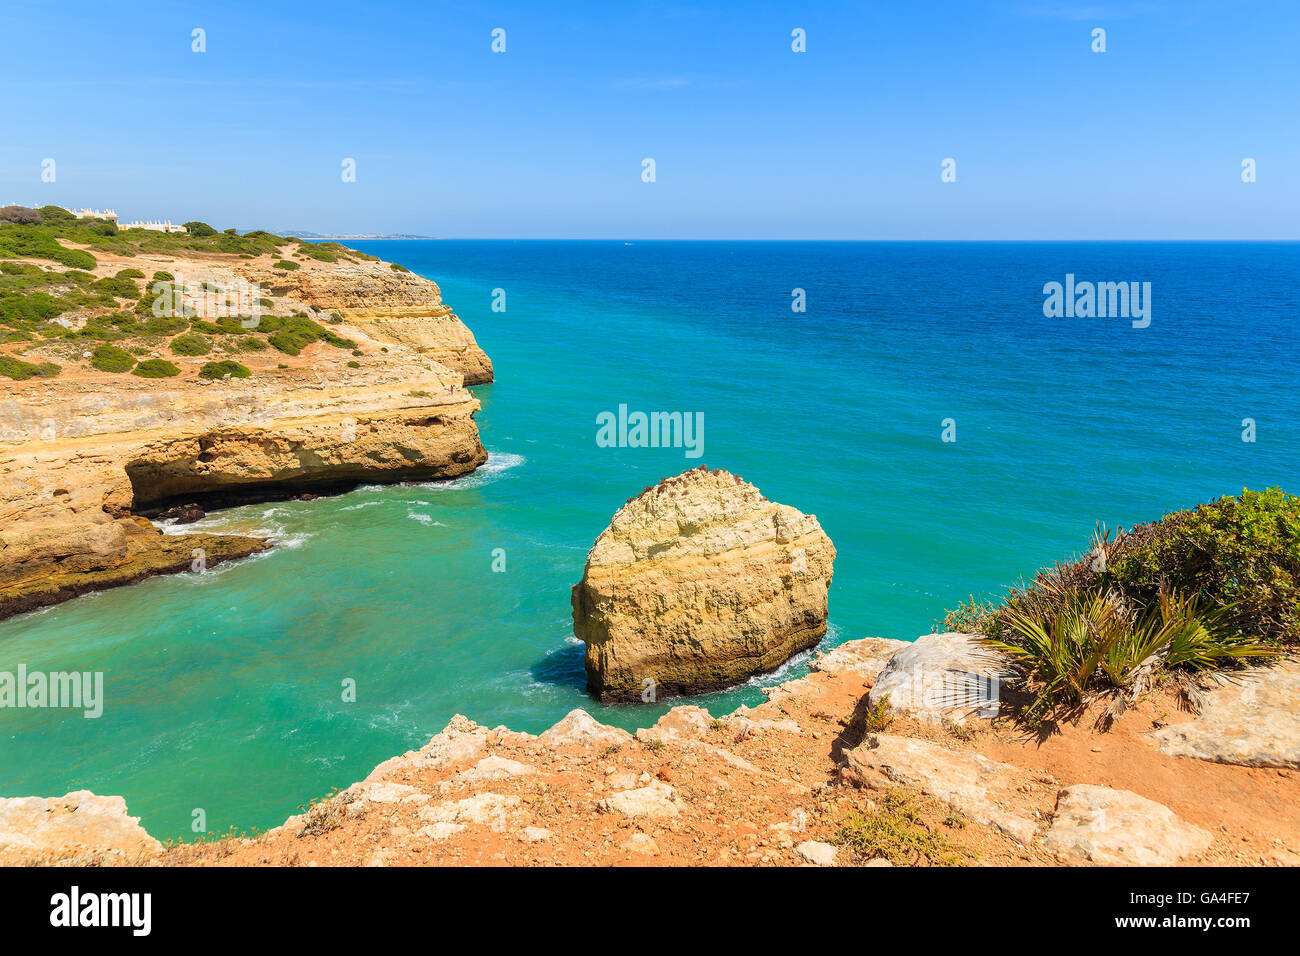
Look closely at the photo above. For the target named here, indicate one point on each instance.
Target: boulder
(36, 826)
(1119, 828)
(983, 789)
(699, 583)
(943, 677)
(579, 727)
(1254, 721)
(654, 801)
(817, 853)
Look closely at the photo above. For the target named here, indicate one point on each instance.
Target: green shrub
(199, 229)
(131, 274)
(291, 334)
(323, 255)
(354, 364)
(110, 358)
(285, 265)
(1239, 551)
(1096, 642)
(56, 214)
(156, 368)
(19, 370)
(896, 832)
(164, 325)
(216, 370)
(120, 286)
(191, 344)
(162, 277)
(396, 268)
(252, 344)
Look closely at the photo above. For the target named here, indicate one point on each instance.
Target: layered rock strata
(85, 456)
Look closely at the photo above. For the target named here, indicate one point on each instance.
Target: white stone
(1120, 828)
(943, 677)
(817, 853)
(1252, 720)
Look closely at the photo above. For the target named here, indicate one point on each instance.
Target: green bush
(53, 214)
(1096, 641)
(323, 255)
(156, 368)
(216, 370)
(199, 229)
(252, 344)
(19, 370)
(1240, 551)
(396, 268)
(119, 286)
(191, 344)
(131, 274)
(291, 334)
(285, 265)
(164, 325)
(110, 358)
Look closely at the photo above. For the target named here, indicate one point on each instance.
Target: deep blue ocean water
(224, 690)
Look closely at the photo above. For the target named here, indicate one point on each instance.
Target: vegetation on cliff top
(1197, 590)
(71, 309)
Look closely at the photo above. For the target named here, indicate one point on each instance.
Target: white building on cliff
(153, 225)
(94, 214)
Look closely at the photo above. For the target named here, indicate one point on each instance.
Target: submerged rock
(183, 514)
(698, 583)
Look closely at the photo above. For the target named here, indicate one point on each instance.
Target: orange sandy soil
(733, 816)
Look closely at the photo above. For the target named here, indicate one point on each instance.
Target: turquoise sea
(224, 691)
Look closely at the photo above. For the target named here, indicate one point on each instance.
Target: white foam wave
(498, 463)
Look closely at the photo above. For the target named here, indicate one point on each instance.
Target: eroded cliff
(374, 391)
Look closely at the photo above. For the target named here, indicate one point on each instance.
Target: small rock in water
(183, 514)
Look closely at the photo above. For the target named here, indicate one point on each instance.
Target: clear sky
(750, 139)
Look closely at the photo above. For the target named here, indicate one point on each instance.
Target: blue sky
(750, 139)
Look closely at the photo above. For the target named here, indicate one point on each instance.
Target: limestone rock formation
(1119, 828)
(698, 583)
(981, 788)
(1253, 721)
(392, 306)
(80, 821)
(84, 455)
(942, 677)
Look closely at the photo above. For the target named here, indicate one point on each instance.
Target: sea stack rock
(698, 583)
